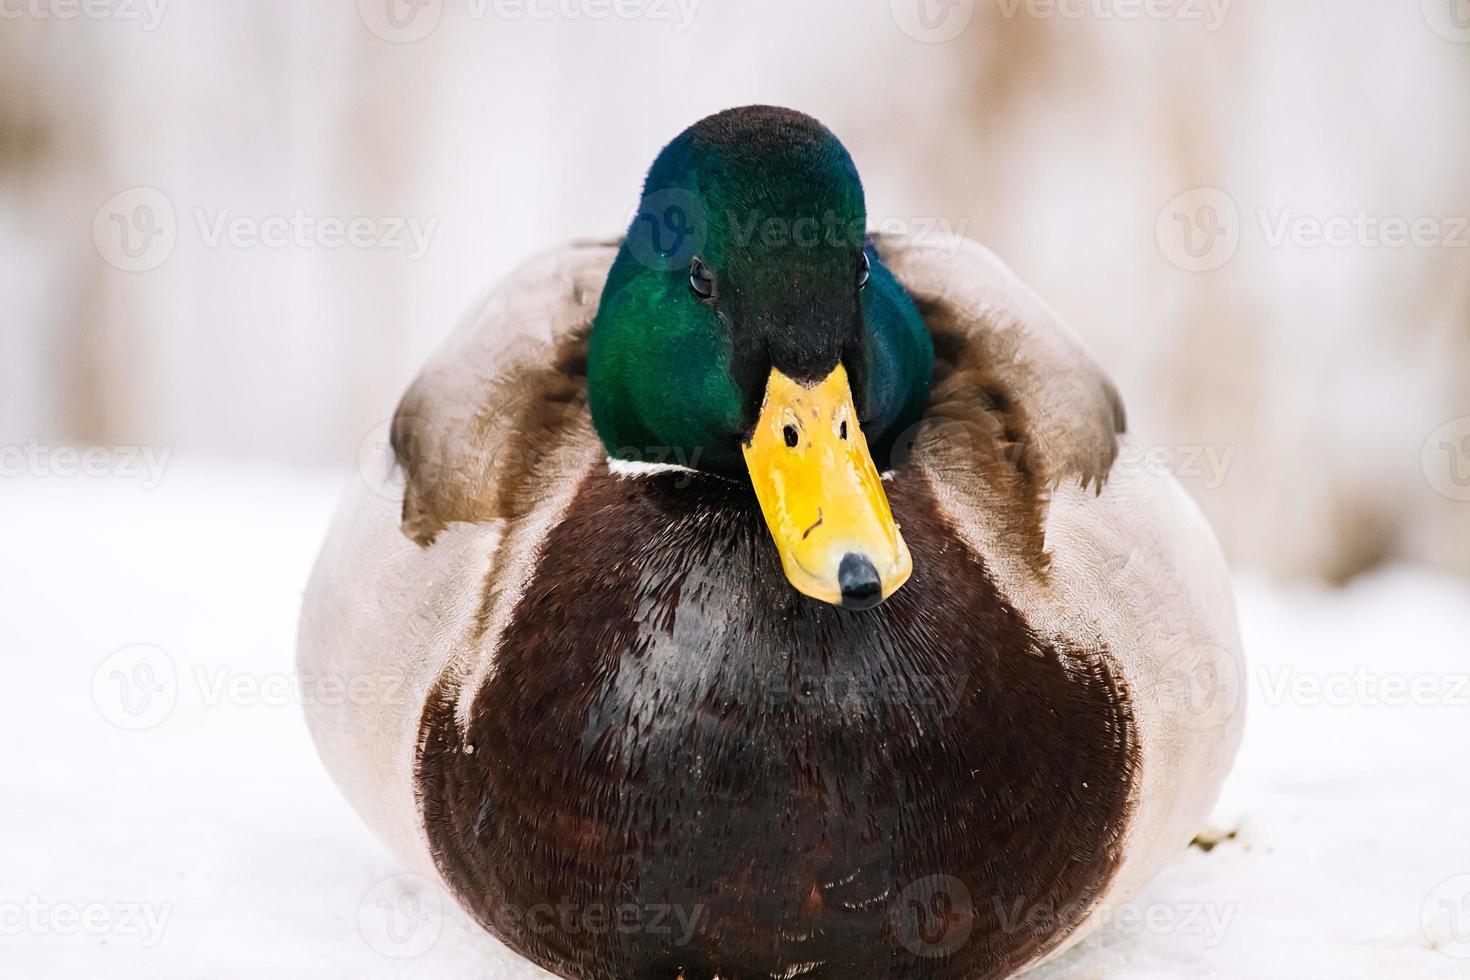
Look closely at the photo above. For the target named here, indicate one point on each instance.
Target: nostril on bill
(859, 582)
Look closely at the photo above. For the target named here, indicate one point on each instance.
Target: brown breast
(680, 765)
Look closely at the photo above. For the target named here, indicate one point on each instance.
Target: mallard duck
(769, 599)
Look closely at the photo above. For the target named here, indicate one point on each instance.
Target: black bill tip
(859, 582)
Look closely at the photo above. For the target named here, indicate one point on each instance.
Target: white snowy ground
(164, 814)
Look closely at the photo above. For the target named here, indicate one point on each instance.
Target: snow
(195, 834)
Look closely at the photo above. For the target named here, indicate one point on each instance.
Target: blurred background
(1255, 212)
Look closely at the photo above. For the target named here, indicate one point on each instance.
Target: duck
(759, 596)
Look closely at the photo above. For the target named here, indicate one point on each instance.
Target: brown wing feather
(999, 346)
(505, 399)
(1018, 403)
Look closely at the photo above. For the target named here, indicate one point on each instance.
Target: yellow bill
(821, 494)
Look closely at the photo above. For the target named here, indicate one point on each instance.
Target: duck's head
(748, 329)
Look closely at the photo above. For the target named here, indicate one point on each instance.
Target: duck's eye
(865, 270)
(789, 433)
(701, 280)
(842, 430)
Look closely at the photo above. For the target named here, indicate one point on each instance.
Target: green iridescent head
(748, 329)
(748, 253)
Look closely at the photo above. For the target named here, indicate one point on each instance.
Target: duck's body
(630, 748)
